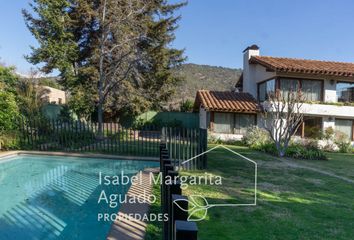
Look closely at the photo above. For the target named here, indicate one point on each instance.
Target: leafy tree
(9, 111)
(30, 97)
(65, 114)
(114, 54)
(8, 79)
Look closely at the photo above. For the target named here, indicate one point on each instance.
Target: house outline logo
(203, 209)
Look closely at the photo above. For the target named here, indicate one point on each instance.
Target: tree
(114, 54)
(8, 106)
(8, 111)
(30, 95)
(8, 79)
(282, 117)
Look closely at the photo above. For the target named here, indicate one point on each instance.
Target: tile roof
(292, 65)
(226, 101)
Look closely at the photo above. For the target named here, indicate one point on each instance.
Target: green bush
(8, 111)
(343, 142)
(9, 140)
(156, 123)
(187, 106)
(256, 137)
(258, 140)
(308, 152)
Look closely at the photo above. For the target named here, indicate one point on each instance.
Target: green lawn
(294, 201)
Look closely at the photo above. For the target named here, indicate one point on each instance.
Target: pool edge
(3, 155)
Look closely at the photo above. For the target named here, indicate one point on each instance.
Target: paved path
(129, 228)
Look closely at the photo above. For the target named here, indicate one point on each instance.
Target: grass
(293, 202)
(154, 229)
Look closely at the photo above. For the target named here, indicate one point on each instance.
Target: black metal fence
(186, 147)
(177, 227)
(80, 136)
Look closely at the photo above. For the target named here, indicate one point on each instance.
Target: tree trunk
(100, 120)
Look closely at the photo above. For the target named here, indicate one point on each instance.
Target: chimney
(249, 84)
(250, 51)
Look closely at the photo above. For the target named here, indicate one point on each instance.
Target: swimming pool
(47, 197)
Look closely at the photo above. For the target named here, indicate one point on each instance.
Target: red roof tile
(226, 101)
(292, 65)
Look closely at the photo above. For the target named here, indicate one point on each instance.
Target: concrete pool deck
(129, 228)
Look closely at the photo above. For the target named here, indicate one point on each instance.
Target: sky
(215, 32)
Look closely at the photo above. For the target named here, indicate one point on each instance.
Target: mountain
(207, 77)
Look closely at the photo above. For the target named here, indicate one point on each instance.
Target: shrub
(300, 150)
(156, 123)
(328, 133)
(8, 111)
(256, 137)
(9, 140)
(187, 106)
(308, 152)
(342, 141)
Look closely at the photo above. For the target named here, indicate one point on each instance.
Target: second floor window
(311, 89)
(266, 89)
(345, 92)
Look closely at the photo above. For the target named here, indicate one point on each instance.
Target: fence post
(204, 147)
(186, 230)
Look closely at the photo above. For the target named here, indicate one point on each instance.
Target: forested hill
(205, 77)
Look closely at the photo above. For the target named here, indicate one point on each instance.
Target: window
(312, 90)
(233, 123)
(60, 101)
(288, 85)
(266, 89)
(345, 126)
(223, 122)
(242, 122)
(345, 92)
(311, 127)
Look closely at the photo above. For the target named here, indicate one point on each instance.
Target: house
(53, 95)
(328, 88)
(226, 114)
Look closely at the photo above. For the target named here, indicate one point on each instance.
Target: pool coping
(68, 154)
(125, 228)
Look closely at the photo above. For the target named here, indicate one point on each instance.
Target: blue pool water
(44, 197)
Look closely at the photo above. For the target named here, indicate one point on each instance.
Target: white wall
(328, 110)
(225, 136)
(330, 94)
(328, 122)
(52, 95)
(253, 73)
(203, 118)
